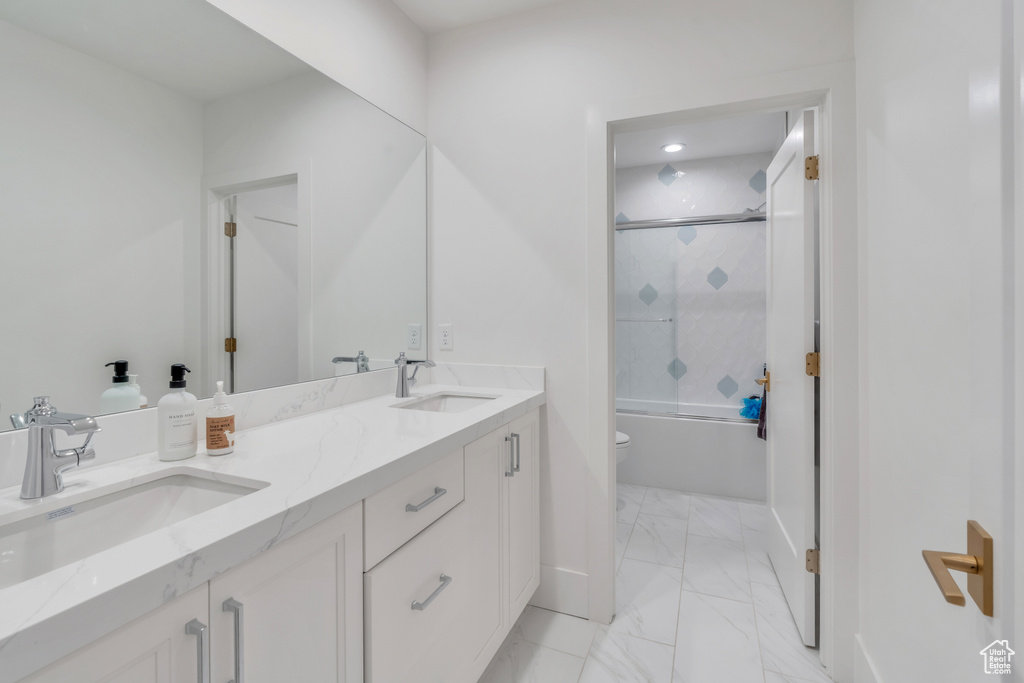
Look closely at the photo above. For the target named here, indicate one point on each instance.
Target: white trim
(215, 187)
(863, 668)
(832, 88)
(562, 590)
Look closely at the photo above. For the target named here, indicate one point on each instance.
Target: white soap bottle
(176, 419)
(121, 396)
(133, 382)
(220, 424)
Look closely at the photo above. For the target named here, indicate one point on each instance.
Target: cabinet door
(152, 649)
(524, 514)
(301, 608)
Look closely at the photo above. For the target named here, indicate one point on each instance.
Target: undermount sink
(447, 402)
(32, 546)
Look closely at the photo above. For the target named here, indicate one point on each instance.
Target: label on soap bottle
(220, 432)
(180, 431)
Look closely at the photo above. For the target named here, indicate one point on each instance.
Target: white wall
(100, 180)
(367, 176)
(369, 46)
(510, 238)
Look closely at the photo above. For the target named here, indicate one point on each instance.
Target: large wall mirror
(170, 181)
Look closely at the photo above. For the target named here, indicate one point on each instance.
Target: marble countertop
(315, 466)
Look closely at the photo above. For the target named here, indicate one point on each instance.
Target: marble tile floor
(697, 601)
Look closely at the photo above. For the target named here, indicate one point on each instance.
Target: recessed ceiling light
(674, 147)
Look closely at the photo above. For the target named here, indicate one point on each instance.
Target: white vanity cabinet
(438, 608)
(300, 608)
(294, 612)
(153, 649)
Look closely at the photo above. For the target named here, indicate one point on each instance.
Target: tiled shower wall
(708, 279)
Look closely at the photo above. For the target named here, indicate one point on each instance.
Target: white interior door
(790, 327)
(266, 289)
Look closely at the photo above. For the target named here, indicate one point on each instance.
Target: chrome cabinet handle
(232, 605)
(438, 492)
(202, 634)
(515, 438)
(511, 472)
(445, 580)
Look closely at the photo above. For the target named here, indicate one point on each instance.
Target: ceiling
(188, 46)
(719, 138)
(434, 16)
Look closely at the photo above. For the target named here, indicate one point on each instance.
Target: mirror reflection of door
(265, 284)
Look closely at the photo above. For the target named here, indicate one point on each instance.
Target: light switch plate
(446, 337)
(415, 341)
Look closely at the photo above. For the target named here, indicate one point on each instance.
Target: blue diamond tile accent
(758, 182)
(667, 175)
(717, 278)
(687, 234)
(621, 218)
(648, 294)
(677, 368)
(728, 386)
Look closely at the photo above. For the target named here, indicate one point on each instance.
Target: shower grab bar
(643, 320)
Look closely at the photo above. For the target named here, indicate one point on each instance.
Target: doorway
(263, 285)
(832, 90)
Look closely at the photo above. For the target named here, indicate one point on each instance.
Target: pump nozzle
(120, 370)
(178, 371)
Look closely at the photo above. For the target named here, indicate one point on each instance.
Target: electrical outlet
(415, 341)
(447, 338)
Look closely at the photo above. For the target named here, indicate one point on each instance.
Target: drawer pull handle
(515, 438)
(232, 605)
(202, 634)
(438, 492)
(445, 580)
(511, 472)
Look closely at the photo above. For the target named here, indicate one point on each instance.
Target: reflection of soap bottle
(121, 396)
(133, 381)
(220, 424)
(176, 419)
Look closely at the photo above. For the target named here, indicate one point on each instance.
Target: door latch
(977, 563)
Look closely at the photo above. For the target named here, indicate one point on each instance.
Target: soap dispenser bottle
(176, 419)
(122, 395)
(220, 424)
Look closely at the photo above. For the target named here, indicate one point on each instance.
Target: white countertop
(316, 466)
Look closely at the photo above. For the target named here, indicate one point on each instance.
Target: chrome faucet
(361, 361)
(45, 466)
(404, 380)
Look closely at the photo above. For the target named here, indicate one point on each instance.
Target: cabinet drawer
(389, 518)
(437, 643)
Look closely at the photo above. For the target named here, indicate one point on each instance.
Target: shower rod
(749, 217)
(643, 320)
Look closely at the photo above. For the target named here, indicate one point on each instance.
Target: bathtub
(716, 453)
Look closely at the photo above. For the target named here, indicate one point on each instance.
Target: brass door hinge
(811, 168)
(231, 229)
(813, 561)
(230, 344)
(814, 364)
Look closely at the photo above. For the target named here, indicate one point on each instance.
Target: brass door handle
(977, 564)
(766, 381)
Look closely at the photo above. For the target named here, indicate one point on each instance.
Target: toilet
(621, 453)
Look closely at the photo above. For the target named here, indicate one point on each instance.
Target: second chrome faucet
(404, 380)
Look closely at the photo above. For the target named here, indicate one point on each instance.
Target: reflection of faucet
(404, 381)
(45, 465)
(361, 361)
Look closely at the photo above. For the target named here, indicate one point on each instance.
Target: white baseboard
(863, 668)
(563, 590)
